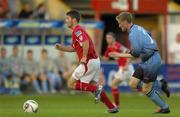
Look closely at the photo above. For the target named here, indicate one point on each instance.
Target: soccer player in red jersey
(85, 77)
(125, 69)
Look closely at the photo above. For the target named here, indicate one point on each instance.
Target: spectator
(65, 68)
(61, 64)
(3, 12)
(40, 12)
(49, 71)
(4, 71)
(14, 7)
(26, 12)
(175, 51)
(16, 67)
(9, 82)
(30, 71)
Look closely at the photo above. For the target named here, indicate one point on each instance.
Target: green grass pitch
(82, 105)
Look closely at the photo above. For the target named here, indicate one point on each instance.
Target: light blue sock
(155, 97)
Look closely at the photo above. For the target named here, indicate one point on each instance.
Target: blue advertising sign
(45, 24)
(11, 39)
(7, 23)
(67, 40)
(93, 24)
(31, 24)
(172, 74)
(52, 39)
(33, 40)
(39, 24)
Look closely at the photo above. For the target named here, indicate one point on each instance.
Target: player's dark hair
(112, 34)
(74, 14)
(125, 16)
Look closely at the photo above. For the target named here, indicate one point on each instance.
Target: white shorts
(126, 74)
(92, 74)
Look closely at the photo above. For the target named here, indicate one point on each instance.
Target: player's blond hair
(124, 16)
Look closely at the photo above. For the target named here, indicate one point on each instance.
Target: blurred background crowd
(36, 66)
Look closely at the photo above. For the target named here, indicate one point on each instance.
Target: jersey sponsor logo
(78, 33)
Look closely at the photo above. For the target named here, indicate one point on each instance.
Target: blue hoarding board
(11, 39)
(170, 72)
(67, 40)
(33, 40)
(52, 39)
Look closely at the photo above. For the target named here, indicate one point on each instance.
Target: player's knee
(132, 85)
(70, 85)
(146, 90)
(113, 85)
(115, 82)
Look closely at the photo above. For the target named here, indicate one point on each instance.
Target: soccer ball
(30, 106)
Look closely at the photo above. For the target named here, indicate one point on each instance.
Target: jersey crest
(78, 33)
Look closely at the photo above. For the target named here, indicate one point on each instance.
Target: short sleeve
(135, 45)
(81, 36)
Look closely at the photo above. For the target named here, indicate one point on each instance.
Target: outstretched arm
(123, 55)
(64, 48)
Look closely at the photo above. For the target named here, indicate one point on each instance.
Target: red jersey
(79, 35)
(117, 47)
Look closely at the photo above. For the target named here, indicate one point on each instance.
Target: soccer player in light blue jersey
(144, 47)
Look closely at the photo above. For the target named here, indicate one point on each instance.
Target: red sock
(115, 93)
(106, 100)
(85, 87)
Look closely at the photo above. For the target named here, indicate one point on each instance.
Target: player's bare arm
(64, 48)
(85, 46)
(122, 55)
(105, 58)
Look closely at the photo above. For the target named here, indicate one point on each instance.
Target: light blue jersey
(143, 46)
(141, 42)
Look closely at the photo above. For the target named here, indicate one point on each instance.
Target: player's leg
(35, 83)
(71, 83)
(133, 83)
(118, 78)
(102, 95)
(104, 99)
(151, 68)
(153, 95)
(94, 80)
(162, 84)
(44, 84)
(80, 79)
(135, 80)
(81, 86)
(115, 91)
(165, 87)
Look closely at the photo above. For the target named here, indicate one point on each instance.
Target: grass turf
(82, 105)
